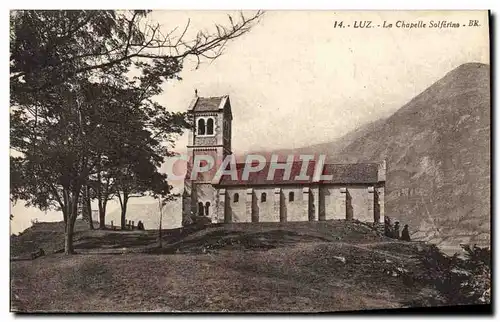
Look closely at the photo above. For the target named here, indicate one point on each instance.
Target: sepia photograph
(243, 161)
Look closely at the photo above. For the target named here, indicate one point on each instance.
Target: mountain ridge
(437, 148)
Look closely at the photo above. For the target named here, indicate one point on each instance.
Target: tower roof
(208, 104)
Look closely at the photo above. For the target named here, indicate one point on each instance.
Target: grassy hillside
(437, 149)
(46, 235)
(323, 266)
(49, 236)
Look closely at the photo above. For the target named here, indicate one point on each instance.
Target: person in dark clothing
(405, 234)
(387, 227)
(396, 230)
(140, 225)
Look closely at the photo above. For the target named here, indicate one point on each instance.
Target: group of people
(393, 232)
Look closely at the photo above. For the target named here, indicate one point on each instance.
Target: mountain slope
(437, 149)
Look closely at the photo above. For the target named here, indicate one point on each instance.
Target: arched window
(236, 197)
(210, 126)
(201, 127)
(207, 208)
(200, 208)
(291, 196)
(263, 197)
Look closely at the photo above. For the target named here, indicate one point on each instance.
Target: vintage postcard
(254, 161)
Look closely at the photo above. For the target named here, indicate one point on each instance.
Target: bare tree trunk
(124, 211)
(159, 228)
(103, 198)
(87, 207)
(68, 238)
(102, 217)
(70, 223)
(102, 214)
(123, 217)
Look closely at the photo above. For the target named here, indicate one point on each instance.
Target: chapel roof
(354, 173)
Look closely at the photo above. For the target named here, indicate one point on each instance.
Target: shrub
(458, 281)
(478, 264)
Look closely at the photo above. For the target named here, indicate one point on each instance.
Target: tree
(138, 173)
(64, 150)
(139, 134)
(50, 47)
(53, 161)
(134, 181)
(65, 67)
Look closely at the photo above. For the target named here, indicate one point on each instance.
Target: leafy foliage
(50, 47)
(459, 281)
(478, 263)
(79, 118)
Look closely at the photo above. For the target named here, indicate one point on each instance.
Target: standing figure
(387, 227)
(396, 230)
(405, 234)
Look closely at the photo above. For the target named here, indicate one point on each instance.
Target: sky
(295, 80)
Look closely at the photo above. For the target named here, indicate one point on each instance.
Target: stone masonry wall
(264, 211)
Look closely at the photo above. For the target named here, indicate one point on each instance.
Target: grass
(318, 267)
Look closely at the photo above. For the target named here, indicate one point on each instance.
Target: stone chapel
(353, 191)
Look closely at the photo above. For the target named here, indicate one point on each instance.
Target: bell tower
(210, 136)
